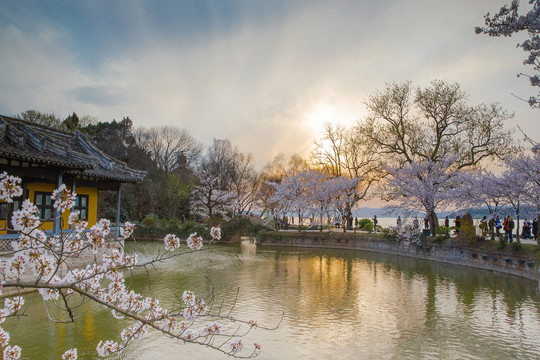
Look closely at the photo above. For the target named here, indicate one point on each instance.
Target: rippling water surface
(338, 305)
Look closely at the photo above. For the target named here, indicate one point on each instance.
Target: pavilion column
(119, 198)
(73, 190)
(57, 212)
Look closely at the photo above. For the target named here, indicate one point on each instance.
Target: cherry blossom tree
(507, 22)
(209, 200)
(322, 193)
(340, 152)
(423, 184)
(345, 191)
(521, 183)
(513, 185)
(409, 127)
(481, 188)
(47, 263)
(293, 193)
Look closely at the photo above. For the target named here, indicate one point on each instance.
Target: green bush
(148, 221)
(442, 230)
(365, 224)
(503, 242)
(110, 214)
(515, 246)
(242, 226)
(189, 227)
(467, 233)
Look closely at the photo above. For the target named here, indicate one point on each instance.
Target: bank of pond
(520, 260)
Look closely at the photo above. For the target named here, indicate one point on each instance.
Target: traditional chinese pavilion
(44, 158)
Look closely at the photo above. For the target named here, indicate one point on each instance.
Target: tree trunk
(321, 224)
(433, 222)
(349, 219)
(517, 227)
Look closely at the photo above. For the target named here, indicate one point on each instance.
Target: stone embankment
(499, 262)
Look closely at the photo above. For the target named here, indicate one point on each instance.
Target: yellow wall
(42, 187)
(92, 202)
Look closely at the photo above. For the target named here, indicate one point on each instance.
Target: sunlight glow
(322, 112)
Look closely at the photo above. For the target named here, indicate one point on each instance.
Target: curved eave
(135, 178)
(45, 160)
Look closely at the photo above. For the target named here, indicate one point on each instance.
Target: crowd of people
(494, 226)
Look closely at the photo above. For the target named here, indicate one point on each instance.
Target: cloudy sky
(264, 74)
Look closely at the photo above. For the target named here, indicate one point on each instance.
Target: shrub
(148, 221)
(515, 246)
(110, 214)
(190, 226)
(242, 226)
(503, 242)
(467, 232)
(365, 224)
(442, 230)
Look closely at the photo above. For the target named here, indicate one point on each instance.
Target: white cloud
(255, 83)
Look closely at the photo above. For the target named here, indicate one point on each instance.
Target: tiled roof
(26, 141)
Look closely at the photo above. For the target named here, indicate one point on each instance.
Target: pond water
(337, 304)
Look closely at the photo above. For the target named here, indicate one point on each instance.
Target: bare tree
(329, 151)
(341, 153)
(38, 117)
(169, 146)
(227, 180)
(245, 182)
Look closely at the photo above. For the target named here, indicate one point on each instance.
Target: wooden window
(81, 205)
(44, 204)
(6, 210)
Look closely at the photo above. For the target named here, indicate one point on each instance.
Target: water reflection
(337, 304)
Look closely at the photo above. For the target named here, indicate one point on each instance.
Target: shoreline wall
(503, 263)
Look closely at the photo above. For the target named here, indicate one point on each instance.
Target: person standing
(526, 231)
(535, 227)
(398, 222)
(508, 225)
(498, 225)
(375, 222)
(446, 222)
(483, 226)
